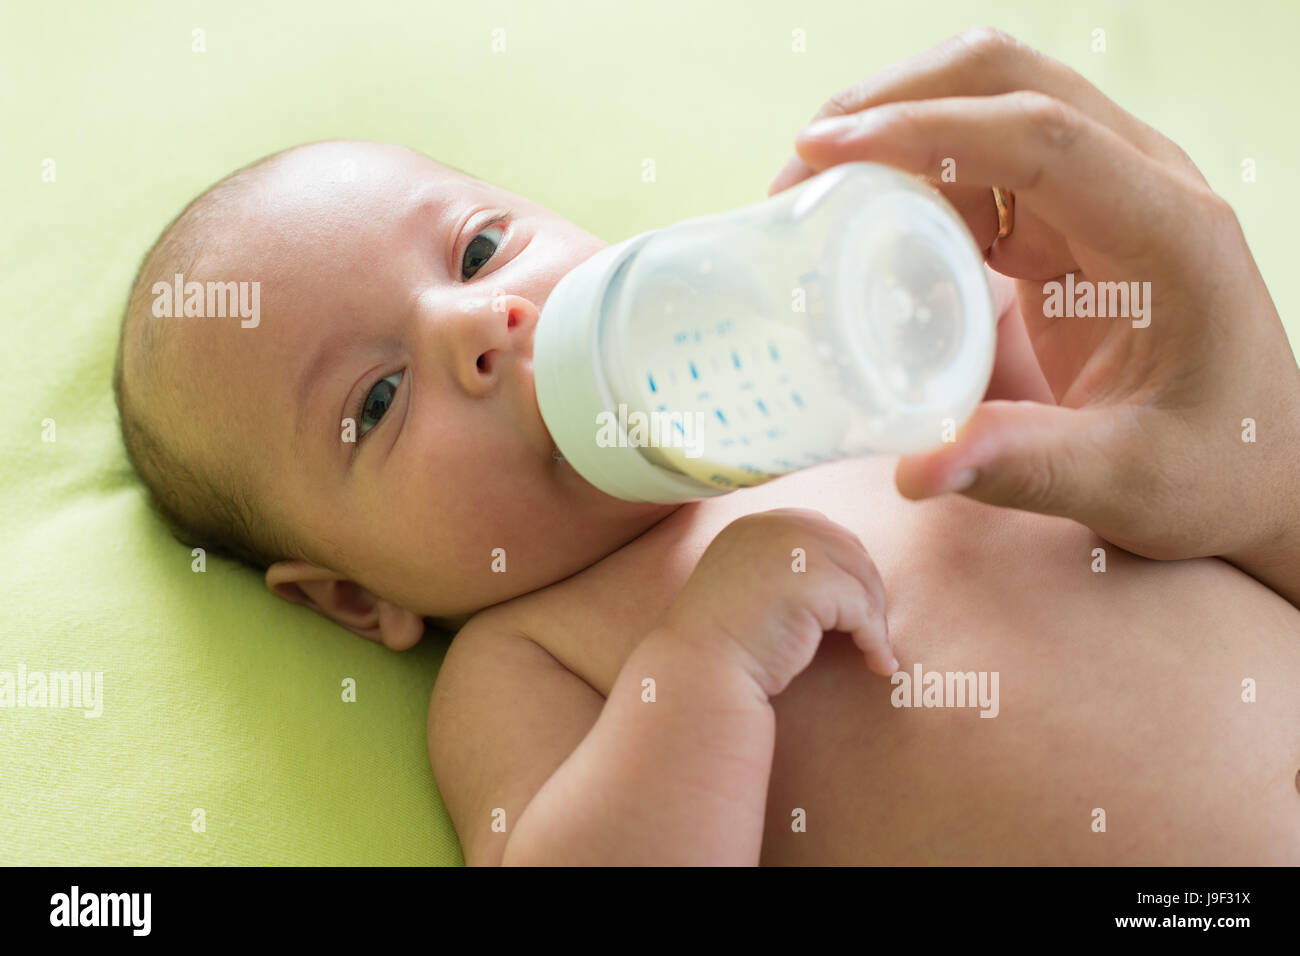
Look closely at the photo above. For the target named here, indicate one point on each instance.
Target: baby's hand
(772, 583)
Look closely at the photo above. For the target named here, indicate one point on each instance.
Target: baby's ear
(345, 602)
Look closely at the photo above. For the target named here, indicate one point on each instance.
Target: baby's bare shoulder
(504, 714)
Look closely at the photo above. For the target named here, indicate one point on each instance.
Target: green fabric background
(220, 696)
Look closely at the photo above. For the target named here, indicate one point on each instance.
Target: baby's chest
(593, 622)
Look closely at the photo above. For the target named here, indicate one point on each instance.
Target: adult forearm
(680, 779)
(1269, 495)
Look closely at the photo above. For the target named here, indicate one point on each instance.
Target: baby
(623, 686)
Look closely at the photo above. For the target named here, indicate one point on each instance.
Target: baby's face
(389, 298)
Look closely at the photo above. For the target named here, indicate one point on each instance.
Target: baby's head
(369, 437)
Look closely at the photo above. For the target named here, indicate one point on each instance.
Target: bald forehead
(256, 217)
(358, 164)
(312, 205)
(314, 196)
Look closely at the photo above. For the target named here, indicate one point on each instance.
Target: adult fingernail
(790, 172)
(958, 482)
(832, 128)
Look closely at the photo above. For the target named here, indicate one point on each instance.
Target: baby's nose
(521, 314)
(509, 329)
(521, 317)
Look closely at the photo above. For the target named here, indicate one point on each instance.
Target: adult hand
(1147, 441)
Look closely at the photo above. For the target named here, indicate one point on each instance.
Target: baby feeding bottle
(845, 316)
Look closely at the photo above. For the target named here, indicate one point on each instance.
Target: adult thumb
(1027, 455)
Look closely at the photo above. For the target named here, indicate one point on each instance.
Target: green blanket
(223, 735)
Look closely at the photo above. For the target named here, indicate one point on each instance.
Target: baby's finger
(853, 559)
(861, 618)
(1079, 177)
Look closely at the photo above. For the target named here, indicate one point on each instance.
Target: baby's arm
(674, 767)
(682, 776)
(678, 779)
(537, 767)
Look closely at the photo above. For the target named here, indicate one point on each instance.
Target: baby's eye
(377, 400)
(480, 249)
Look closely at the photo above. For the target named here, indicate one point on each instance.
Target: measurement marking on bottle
(652, 383)
(694, 372)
